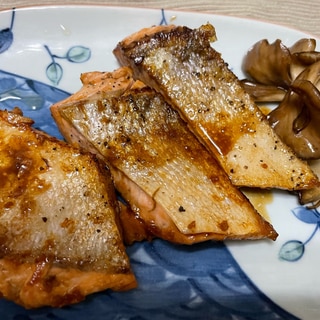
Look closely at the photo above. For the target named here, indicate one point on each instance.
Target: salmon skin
(181, 64)
(169, 179)
(59, 232)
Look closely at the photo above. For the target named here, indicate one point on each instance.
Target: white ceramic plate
(43, 50)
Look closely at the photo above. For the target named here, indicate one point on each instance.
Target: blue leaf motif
(292, 250)
(306, 215)
(54, 72)
(6, 38)
(78, 54)
(6, 35)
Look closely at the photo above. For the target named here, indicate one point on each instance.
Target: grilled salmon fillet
(59, 232)
(180, 63)
(173, 185)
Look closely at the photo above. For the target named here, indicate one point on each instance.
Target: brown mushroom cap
(268, 64)
(297, 119)
(290, 76)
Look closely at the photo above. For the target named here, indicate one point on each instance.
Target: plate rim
(172, 10)
(105, 6)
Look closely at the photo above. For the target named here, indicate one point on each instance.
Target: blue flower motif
(293, 250)
(6, 35)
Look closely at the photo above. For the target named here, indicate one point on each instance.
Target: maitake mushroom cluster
(291, 77)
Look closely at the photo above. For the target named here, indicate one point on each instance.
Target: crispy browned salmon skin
(180, 63)
(170, 180)
(58, 220)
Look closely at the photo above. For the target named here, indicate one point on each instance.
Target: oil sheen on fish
(59, 232)
(169, 179)
(180, 63)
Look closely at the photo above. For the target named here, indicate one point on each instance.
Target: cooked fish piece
(59, 232)
(135, 229)
(173, 185)
(95, 85)
(181, 64)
